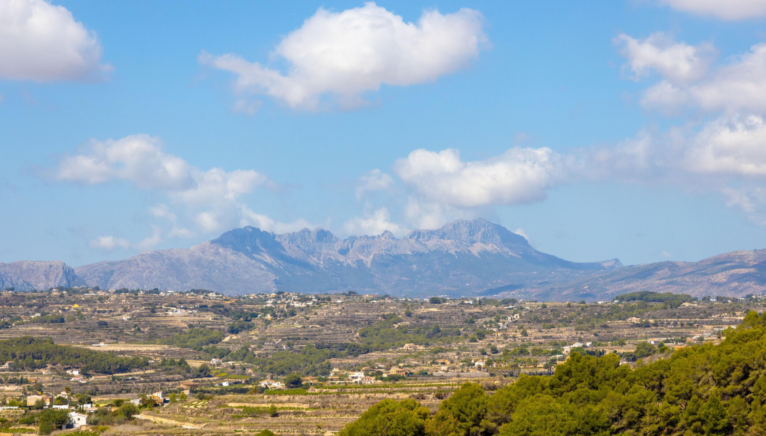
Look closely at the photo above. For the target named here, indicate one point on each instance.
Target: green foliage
(30, 353)
(52, 419)
(386, 334)
(309, 361)
(240, 326)
(698, 390)
(643, 350)
(272, 411)
(390, 418)
(461, 414)
(48, 319)
(293, 381)
(670, 300)
(196, 338)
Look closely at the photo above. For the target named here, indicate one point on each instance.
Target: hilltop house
(76, 420)
(32, 399)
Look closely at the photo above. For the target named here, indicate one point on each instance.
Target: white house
(78, 420)
(269, 384)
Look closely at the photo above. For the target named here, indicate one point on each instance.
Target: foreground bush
(698, 390)
(390, 418)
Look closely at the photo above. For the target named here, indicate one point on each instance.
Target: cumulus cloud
(518, 176)
(263, 222)
(728, 10)
(208, 201)
(43, 42)
(138, 159)
(245, 107)
(739, 86)
(373, 223)
(109, 243)
(729, 147)
(141, 161)
(676, 61)
(163, 211)
(345, 54)
(374, 180)
(724, 155)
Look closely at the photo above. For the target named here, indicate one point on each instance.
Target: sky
(632, 129)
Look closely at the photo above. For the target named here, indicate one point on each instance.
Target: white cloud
(373, 223)
(263, 222)
(424, 214)
(109, 243)
(677, 61)
(521, 232)
(751, 200)
(217, 185)
(725, 155)
(245, 107)
(737, 87)
(730, 147)
(43, 42)
(518, 176)
(345, 54)
(152, 240)
(729, 10)
(209, 201)
(138, 159)
(164, 212)
(374, 180)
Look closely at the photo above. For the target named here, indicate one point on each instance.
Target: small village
(307, 355)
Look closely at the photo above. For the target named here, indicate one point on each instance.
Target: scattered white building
(77, 420)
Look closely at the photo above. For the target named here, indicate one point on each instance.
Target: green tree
(390, 418)
(52, 419)
(272, 411)
(293, 381)
(461, 414)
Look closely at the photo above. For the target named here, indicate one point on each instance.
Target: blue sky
(629, 129)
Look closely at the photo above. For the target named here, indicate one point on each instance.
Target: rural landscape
(383, 218)
(176, 363)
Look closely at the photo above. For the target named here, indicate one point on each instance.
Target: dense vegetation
(392, 332)
(696, 390)
(671, 300)
(196, 338)
(30, 353)
(313, 359)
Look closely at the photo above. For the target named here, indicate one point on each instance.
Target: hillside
(737, 273)
(461, 258)
(25, 275)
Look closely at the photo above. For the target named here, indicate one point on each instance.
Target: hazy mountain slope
(737, 273)
(28, 275)
(205, 266)
(461, 258)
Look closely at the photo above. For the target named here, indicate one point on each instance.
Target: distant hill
(462, 258)
(25, 275)
(738, 273)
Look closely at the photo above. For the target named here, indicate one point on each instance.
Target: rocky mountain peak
(471, 232)
(250, 241)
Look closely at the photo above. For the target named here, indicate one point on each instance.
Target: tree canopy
(696, 390)
(31, 353)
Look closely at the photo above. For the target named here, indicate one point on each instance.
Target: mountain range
(463, 258)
